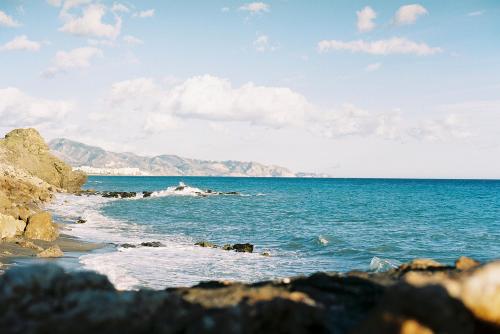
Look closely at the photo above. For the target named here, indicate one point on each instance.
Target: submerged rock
(205, 244)
(128, 246)
(152, 244)
(146, 194)
(243, 248)
(81, 221)
(53, 251)
(40, 226)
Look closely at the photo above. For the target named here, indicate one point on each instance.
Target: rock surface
(26, 149)
(41, 227)
(53, 251)
(443, 299)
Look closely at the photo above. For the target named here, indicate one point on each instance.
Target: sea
(298, 226)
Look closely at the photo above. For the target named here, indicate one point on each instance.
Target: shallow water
(307, 225)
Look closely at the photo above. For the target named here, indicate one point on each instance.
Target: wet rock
(205, 244)
(119, 194)
(265, 253)
(146, 194)
(81, 221)
(227, 247)
(180, 188)
(243, 248)
(466, 263)
(53, 251)
(40, 226)
(232, 193)
(152, 244)
(128, 246)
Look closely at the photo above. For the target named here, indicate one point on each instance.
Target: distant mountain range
(95, 160)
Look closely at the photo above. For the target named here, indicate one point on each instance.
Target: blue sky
(348, 88)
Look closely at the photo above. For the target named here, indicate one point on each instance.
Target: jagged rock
(53, 251)
(40, 226)
(243, 248)
(466, 263)
(26, 149)
(152, 244)
(205, 244)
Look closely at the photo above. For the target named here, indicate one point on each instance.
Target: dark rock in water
(180, 188)
(205, 244)
(152, 244)
(227, 247)
(128, 246)
(243, 248)
(81, 221)
(147, 194)
(266, 253)
(119, 194)
(209, 191)
(232, 193)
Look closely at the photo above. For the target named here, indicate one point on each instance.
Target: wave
(177, 263)
(380, 265)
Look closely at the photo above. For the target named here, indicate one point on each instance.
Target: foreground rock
(432, 299)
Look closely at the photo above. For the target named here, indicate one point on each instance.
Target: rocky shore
(422, 296)
(29, 177)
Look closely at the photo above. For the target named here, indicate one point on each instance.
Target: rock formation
(26, 149)
(29, 175)
(409, 299)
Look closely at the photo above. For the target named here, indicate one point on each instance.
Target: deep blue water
(316, 224)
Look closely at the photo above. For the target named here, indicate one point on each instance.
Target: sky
(347, 88)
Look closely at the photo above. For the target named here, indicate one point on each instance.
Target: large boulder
(26, 149)
(10, 227)
(41, 227)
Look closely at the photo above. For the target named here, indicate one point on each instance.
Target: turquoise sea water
(307, 225)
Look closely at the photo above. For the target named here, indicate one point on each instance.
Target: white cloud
(90, 23)
(373, 67)
(18, 109)
(262, 44)
(365, 19)
(256, 7)
(131, 40)
(450, 127)
(396, 45)
(100, 42)
(8, 21)
(408, 14)
(476, 13)
(145, 13)
(119, 8)
(76, 58)
(21, 43)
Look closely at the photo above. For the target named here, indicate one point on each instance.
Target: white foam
(178, 263)
(380, 265)
(322, 240)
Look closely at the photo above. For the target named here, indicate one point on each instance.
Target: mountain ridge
(96, 160)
